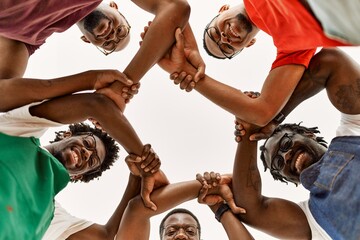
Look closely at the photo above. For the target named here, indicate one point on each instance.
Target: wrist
(278, 119)
(221, 210)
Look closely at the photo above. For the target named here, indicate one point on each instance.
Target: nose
(225, 38)
(111, 35)
(181, 235)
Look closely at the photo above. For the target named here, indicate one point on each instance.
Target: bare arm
(169, 15)
(16, 91)
(79, 107)
(108, 231)
(234, 228)
(276, 91)
(277, 217)
(136, 221)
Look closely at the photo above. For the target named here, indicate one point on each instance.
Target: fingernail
(129, 81)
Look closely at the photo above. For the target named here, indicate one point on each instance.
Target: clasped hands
(147, 167)
(216, 189)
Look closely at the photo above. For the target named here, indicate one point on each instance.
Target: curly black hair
(111, 147)
(174, 211)
(294, 128)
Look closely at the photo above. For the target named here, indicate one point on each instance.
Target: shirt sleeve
(64, 224)
(302, 57)
(19, 122)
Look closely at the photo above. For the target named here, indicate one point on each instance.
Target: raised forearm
(132, 189)
(246, 179)
(169, 15)
(16, 92)
(234, 228)
(234, 101)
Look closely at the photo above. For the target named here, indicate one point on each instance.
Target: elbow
(137, 208)
(182, 9)
(262, 118)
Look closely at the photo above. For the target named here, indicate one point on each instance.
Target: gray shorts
(340, 19)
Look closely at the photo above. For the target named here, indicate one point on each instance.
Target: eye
(278, 163)
(87, 143)
(190, 231)
(226, 48)
(286, 144)
(170, 233)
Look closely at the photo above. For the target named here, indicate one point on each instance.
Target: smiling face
(229, 32)
(288, 153)
(106, 28)
(80, 154)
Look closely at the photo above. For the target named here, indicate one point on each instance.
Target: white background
(189, 133)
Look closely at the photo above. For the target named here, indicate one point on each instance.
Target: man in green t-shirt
(31, 176)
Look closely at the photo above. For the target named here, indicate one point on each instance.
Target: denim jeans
(334, 188)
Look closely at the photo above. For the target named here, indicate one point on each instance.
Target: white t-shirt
(349, 125)
(316, 231)
(19, 122)
(64, 224)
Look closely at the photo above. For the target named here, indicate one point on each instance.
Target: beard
(245, 22)
(92, 20)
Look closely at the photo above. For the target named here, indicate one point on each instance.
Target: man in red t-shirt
(296, 34)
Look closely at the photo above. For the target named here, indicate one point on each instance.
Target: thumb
(179, 38)
(146, 188)
(257, 136)
(133, 158)
(235, 209)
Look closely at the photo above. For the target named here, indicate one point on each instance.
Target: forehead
(274, 140)
(180, 219)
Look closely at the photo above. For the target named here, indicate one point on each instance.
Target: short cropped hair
(175, 211)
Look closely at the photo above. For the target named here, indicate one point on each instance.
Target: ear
(224, 8)
(76, 177)
(67, 134)
(113, 5)
(85, 39)
(252, 42)
(310, 135)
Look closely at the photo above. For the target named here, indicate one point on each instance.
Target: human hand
(264, 132)
(215, 189)
(175, 62)
(184, 51)
(104, 78)
(128, 92)
(242, 126)
(192, 53)
(145, 164)
(149, 183)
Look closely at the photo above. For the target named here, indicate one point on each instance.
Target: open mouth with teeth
(75, 157)
(300, 161)
(233, 33)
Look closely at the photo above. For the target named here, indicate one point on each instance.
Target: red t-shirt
(295, 32)
(33, 21)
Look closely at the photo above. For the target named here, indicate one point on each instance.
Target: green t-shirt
(30, 177)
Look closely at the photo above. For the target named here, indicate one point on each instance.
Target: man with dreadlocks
(31, 175)
(294, 153)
